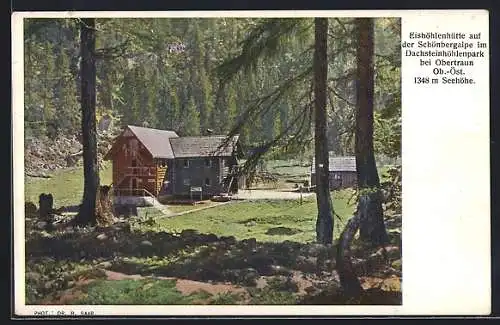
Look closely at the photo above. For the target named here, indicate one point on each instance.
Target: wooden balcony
(140, 171)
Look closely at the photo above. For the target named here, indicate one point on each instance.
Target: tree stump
(30, 210)
(46, 204)
(104, 206)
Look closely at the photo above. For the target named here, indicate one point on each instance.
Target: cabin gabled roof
(203, 146)
(338, 164)
(168, 145)
(154, 140)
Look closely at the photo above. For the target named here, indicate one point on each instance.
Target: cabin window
(207, 181)
(134, 162)
(186, 163)
(208, 162)
(163, 163)
(186, 182)
(337, 176)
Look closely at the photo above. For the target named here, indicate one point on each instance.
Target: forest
(162, 73)
(293, 89)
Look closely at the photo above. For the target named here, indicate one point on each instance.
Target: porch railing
(132, 192)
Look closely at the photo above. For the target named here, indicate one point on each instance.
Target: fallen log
(348, 279)
(79, 153)
(352, 290)
(38, 175)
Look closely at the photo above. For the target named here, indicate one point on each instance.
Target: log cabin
(341, 174)
(151, 162)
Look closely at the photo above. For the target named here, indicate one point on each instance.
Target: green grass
(136, 292)
(293, 168)
(269, 220)
(226, 298)
(65, 185)
(177, 208)
(268, 296)
(45, 276)
(382, 172)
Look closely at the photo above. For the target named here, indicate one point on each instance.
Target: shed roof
(202, 146)
(339, 164)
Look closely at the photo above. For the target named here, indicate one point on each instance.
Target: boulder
(208, 238)
(248, 245)
(249, 277)
(105, 264)
(102, 236)
(306, 264)
(316, 250)
(279, 270)
(261, 263)
(311, 290)
(186, 233)
(232, 275)
(190, 235)
(42, 225)
(230, 240)
(146, 243)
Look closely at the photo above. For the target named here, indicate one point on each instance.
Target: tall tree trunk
(372, 227)
(324, 223)
(107, 93)
(87, 214)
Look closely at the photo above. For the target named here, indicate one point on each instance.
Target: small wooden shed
(342, 172)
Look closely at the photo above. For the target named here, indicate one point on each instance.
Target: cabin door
(336, 181)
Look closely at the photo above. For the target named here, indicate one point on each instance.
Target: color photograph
(212, 161)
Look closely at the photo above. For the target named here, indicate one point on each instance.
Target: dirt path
(186, 287)
(197, 209)
(270, 195)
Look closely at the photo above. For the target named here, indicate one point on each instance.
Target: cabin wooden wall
(346, 180)
(122, 160)
(349, 179)
(196, 173)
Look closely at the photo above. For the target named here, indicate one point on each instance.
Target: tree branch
(341, 97)
(112, 52)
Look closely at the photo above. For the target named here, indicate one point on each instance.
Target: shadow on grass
(187, 255)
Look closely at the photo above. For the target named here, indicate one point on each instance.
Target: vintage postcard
(251, 163)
